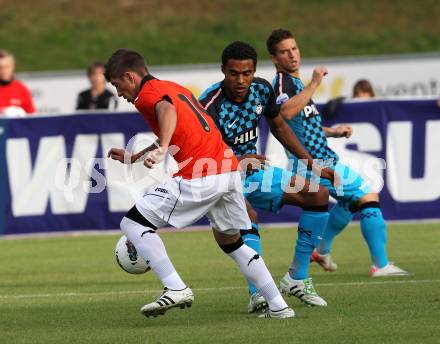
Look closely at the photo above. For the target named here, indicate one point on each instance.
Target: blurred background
(57, 49)
(66, 36)
(60, 35)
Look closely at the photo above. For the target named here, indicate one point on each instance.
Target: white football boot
(168, 299)
(281, 314)
(325, 260)
(302, 289)
(388, 270)
(257, 303)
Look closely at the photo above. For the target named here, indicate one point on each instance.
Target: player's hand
(119, 154)
(343, 131)
(252, 162)
(318, 75)
(155, 156)
(330, 174)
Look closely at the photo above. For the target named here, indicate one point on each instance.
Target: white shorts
(181, 202)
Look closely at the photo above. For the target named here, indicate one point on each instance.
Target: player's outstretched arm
(295, 104)
(140, 156)
(120, 155)
(339, 131)
(289, 140)
(127, 157)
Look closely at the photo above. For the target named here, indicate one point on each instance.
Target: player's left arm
(297, 101)
(126, 157)
(339, 131)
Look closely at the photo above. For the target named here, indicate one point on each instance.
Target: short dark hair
(124, 60)
(239, 51)
(363, 85)
(276, 37)
(95, 65)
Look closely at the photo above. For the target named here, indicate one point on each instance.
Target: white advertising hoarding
(398, 76)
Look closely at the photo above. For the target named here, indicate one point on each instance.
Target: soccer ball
(128, 258)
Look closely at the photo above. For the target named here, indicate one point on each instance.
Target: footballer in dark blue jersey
(237, 104)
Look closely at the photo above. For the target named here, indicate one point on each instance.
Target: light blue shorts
(352, 185)
(264, 189)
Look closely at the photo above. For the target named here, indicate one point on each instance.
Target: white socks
(254, 269)
(151, 248)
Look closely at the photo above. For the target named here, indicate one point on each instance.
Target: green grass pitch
(70, 290)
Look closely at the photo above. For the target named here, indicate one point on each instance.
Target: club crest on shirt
(259, 109)
(282, 98)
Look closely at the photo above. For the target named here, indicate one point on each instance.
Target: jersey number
(199, 111)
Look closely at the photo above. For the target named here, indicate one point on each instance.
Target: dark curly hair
(239, 51)
(276, 37)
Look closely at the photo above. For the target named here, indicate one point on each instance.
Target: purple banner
(405, 134)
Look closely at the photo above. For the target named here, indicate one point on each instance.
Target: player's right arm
(167, 119)
(155, 153)
(287, 137)
(292, 107)
(284, 134)
(339, 131)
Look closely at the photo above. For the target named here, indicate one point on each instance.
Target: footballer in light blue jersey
(353, 193)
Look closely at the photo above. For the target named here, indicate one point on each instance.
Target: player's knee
(322, 195)
(231, 247)
(370, 200)
(134, 215)
(318, 198)
(371, 197)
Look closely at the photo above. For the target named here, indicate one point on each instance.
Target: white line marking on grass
(348, 284)
(128, 292)
(197, 228)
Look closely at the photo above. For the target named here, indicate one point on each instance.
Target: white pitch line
(348, 284)
(104, 293)
(128, 292)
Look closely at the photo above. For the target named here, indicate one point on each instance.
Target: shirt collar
(144, 80)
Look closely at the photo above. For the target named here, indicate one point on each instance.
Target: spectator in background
(97, 97)
(15, 98)
(363, 89)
